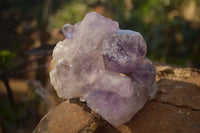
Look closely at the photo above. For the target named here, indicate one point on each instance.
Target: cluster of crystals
(105, 67)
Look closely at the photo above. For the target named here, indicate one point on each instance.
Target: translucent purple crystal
(122, 50)
(115, 108)
(112, 82)
(104, 66)
(143, 72)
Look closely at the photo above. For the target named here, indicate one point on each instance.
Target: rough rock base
(175, 109)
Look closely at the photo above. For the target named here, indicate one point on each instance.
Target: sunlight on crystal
(104, 66)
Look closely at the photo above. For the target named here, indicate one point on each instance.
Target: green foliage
(71, 12)
(6, 59)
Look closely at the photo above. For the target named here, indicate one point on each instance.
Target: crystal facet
(104, 66)
(122, 50)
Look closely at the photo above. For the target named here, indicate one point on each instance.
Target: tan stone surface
(175, 109)
(158, 117)
(65, 118)
(179, 86)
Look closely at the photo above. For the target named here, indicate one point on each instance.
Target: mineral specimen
(104, 66)
(122, 49)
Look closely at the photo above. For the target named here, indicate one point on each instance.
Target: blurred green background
(171, 28)
(31, 28)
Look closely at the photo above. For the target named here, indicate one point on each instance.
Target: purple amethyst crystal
(93, 62)
(143, 72)
(122, 50)
(67, 30)
(111, 82)
(115, 97)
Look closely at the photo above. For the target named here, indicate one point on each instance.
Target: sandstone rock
(175, 109)
(65, 117)
(158, 117)
(179, 86)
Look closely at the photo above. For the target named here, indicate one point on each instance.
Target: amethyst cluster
(104, 66)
